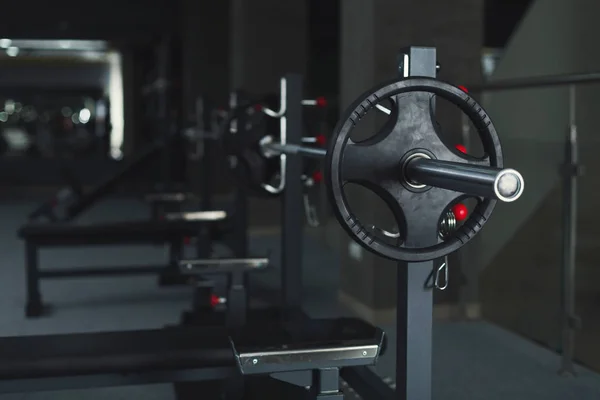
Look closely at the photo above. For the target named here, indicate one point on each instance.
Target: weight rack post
(163, 98)
(571, 170)
(203, 123)
(292, 218)
(414, 314)
(240, 220)
(207, 166)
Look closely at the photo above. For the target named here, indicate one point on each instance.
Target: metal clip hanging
(311, 213)
(442, 269)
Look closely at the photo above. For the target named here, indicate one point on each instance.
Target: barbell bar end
(509, 185)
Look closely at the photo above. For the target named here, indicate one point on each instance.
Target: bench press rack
(326, 349)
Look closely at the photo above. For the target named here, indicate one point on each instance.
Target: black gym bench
(54, 362)
(171, 231)
(70, 361)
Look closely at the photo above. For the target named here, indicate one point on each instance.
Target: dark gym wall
(324, 45)
(269, 38)
(501, 19)
(205, 33)
(372, 34)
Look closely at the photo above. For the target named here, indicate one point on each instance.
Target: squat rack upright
(415, 300)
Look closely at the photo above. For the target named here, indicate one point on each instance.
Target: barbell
(408, 165)
(420, 171)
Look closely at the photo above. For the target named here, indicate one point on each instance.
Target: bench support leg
(171, 275)
(237, 301)
(326, 384)
(34, 306)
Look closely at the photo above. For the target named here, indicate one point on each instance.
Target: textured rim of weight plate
(341, 134)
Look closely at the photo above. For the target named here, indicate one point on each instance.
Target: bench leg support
(171, 275)
(326, 383)
(237, 300)
(34, 306)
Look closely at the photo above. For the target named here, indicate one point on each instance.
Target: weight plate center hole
(411, 183)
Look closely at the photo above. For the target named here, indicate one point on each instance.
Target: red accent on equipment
(464, 89)
(258, 107)
(461, 148)
(187, 240)
(317, 177)
(214, 300)
(321, 140)
(321, 102)
(460, 211)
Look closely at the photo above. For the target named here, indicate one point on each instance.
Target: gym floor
(472, 360)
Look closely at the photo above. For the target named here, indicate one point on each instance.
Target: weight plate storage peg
(240, 134)
(408, 165)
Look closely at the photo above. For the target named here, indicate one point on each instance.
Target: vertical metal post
(240, 241)
(240, 248)
(292, 217)
(205, 147)
(414, 316)
(206, 151)
(161, 87)
(569, 321)
(162, 77)
(34, 305)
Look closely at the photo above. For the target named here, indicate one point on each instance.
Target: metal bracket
(282, 137)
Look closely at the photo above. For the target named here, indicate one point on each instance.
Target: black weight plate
(376, 165)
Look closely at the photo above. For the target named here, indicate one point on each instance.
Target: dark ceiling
(113, 20)
(500, 20)
(134, 20)
(119, 20)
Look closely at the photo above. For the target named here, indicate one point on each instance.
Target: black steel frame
(207, 184)
(414, 314)
(166, 123)
(414, 318)
(240, 221)
(236, 283)
(292, 223)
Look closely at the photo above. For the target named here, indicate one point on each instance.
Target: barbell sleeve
(278, 148)
(502, 184)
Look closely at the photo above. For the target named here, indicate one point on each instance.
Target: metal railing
(570, 172)
(536, 82)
